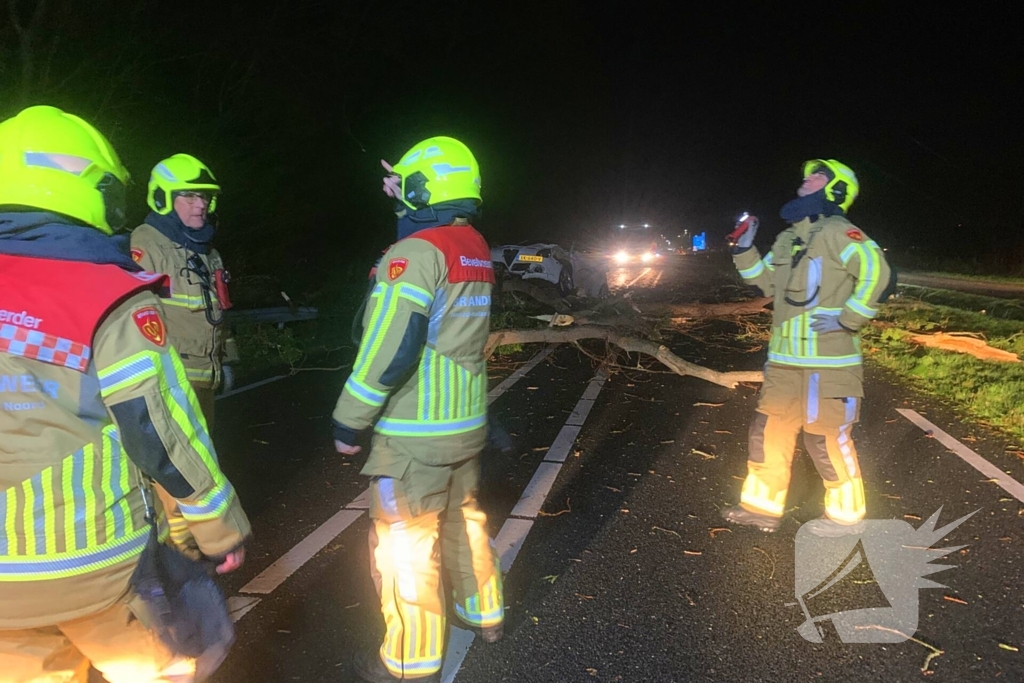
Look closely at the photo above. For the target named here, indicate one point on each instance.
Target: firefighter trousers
(792, 400)
(426, 519)
(114, 641)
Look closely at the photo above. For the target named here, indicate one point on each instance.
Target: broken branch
(629, 344)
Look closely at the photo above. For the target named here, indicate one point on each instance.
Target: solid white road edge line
(1011, 485)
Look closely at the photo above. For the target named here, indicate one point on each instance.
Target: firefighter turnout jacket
(91, 391)
(192, 304)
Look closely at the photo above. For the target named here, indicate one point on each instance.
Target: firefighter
(421, 376)
(176, 239)
(94, 399)
(827, 279)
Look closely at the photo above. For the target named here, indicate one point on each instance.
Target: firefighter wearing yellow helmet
(420, 379)
(95, 400)
(176, 239)
(827, 279)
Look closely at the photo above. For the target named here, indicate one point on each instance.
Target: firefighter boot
(740, 515)
(490, 634)
(370, 668)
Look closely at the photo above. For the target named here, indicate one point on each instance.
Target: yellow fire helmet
(54, 161)
(843, 186)
(180, 173)
(436, 170)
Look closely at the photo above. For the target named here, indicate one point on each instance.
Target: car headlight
(621, 257)
(647, 256)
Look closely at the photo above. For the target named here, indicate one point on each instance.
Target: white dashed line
(1011, 485)
(639, 277)
(515, 529)
(247, 387)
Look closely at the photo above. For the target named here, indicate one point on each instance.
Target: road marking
(658, 279)
(247, 387)
(1011, 485)
(519, 374)
(516, 528)
(639, 277)
(240, 605)
(274, 575)
(537, 490)
(277, 573)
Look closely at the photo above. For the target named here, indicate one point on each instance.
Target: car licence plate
(531, 259)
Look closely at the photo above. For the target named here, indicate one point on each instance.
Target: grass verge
(987, 392)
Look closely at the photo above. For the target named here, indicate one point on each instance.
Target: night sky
(582, 115)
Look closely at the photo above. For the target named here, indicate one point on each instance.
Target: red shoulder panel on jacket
(465, 251)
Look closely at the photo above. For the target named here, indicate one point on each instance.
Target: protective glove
(823, 323)
(742, 236)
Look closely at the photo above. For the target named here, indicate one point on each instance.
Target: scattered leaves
(550, 578)
(1011, 648)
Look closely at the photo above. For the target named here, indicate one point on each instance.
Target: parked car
(535, 261)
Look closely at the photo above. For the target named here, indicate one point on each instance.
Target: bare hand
(232, 561)
(345, 449)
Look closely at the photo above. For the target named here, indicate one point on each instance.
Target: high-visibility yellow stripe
(28, 519)
(67, 491)
(108, 492)
(90, 501)
(49, 514)
(9, 527)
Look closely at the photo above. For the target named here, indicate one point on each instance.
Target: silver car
(535, 261)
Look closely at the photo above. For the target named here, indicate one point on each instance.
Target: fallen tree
(629, 344)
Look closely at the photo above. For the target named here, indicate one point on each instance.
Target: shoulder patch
(137, 254)
(855, 235)
(151, 325)
(396, 267)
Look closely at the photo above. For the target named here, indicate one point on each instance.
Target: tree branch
(629, 344)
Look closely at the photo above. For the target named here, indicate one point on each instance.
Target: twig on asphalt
(935, 652)
(568, 508)
(667, 531)
(770, 559)
(718, 530)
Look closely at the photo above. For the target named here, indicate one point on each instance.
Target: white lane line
(510, 540)
(562, 444)
(240, 605)
(639, 277)
(247, 387)
(658, 279)
(274, 575)
(519, 374)
(515, 529)
(537, 490)
(1011, 485)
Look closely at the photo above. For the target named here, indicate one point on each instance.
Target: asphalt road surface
(618, 567)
